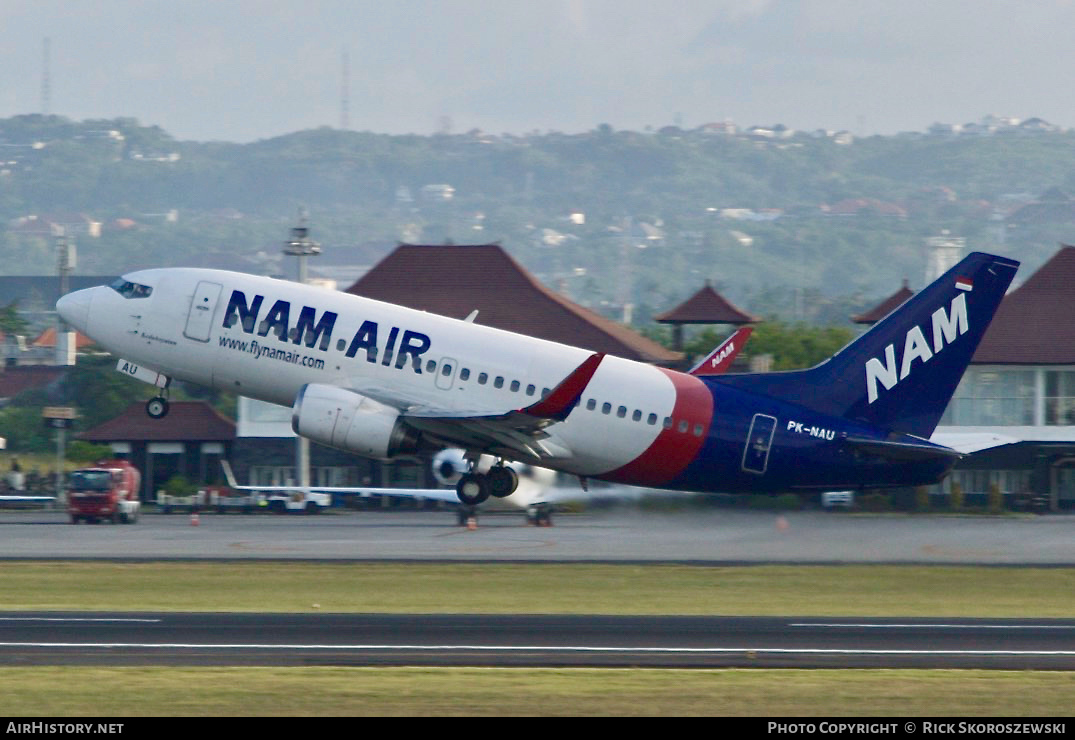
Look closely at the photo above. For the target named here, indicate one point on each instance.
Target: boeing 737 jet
(382, 381)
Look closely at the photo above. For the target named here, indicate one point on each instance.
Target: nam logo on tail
(947, 327)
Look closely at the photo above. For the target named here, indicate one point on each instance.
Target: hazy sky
(241, 70)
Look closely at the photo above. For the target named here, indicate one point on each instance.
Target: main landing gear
(474, 488)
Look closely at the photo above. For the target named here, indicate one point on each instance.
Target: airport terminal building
(1014, 410)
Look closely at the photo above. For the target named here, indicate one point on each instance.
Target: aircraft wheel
(472, 489)
(502, 481)
(157, 408)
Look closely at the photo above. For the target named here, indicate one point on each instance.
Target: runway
(345, 639)
(705, 536)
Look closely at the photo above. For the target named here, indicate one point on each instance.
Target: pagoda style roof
(1033, 325)
(454, 280)
(187, 421)
(47, 338)
(885, 307)
(707, 306)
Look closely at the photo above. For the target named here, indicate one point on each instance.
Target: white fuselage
(267, 338)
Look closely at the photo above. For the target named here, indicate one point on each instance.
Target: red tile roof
(1034, 325)
(453, 280)
(15, 380)
(47, 338)
(706, 306)
(885, 307)
(187, 421)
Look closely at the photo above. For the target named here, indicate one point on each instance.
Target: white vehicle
(308, 502)
(384, 381)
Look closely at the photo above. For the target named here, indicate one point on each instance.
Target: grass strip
(317, 691)
(859, 590)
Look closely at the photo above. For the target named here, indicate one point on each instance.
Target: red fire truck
(107, 490)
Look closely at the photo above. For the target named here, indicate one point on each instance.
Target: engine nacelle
(340, 418)
(449, 466)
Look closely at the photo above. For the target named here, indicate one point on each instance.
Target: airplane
(383, 381)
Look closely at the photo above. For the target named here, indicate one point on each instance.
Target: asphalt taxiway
(719, 536)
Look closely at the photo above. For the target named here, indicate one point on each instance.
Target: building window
(993, 397)
(1060, 397)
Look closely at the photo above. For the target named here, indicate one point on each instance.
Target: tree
(792, 346)
(10, 321)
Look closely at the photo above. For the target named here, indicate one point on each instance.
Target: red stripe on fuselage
(673, 450)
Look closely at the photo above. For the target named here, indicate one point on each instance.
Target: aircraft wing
(515, 433)
(970, 442)
(435, 494)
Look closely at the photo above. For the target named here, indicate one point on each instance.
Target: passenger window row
(682, 426)
(483, 379)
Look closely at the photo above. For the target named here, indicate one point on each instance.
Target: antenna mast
(46, 75)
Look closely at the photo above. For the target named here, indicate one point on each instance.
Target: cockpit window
(127, 289)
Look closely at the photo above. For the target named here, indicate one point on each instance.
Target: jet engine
(340, 418)
(449, 466)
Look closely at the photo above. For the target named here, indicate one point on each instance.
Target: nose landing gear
(157, 408)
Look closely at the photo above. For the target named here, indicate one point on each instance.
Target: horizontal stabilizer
(902, 451)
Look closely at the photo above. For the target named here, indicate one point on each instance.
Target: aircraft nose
(75, 309)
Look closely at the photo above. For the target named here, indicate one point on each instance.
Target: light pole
(302, 246)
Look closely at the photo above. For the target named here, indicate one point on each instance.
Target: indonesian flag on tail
(964, 283)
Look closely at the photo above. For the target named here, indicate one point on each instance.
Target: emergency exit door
(759, 441)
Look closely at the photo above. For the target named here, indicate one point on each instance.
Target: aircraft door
(446, 371)
(759, 441)
(202, 308)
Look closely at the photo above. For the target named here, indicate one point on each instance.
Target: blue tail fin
(900, 375)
